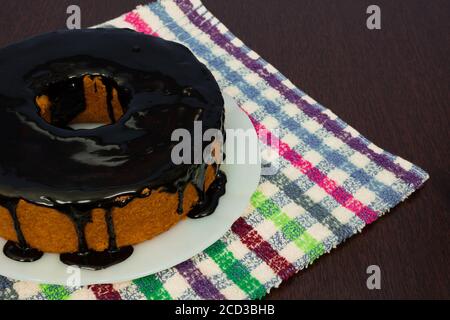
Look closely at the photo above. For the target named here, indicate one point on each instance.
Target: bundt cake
(90, 194)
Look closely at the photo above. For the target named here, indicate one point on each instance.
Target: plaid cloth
(331, 182)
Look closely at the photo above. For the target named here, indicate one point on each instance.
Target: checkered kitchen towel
(331, 183)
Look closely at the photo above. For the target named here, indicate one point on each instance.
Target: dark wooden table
(390, 84)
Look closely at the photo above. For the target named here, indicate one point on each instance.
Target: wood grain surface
(390, 84)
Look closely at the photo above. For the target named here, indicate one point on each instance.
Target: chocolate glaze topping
(161, 87)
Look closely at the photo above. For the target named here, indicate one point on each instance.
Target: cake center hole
(85, 102)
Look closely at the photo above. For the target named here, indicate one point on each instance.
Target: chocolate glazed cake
(90, 194)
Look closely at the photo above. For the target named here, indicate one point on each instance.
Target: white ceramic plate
(180, 243)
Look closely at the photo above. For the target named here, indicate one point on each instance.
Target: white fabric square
(270, 123)
(26, 289)
(359, 160)
(250, 106)
(311, 125)
(364, 195)
(208, 267)
(268, 189)
(266, 229)
(316, 194)
(291, 140)
(291, 173)
(293, 210)
(333, 142)
(253, 55)
(319, 231)
(238, 249)
(234, 64)
(338, 176)
(263, 273)
(342, 214)
(232, 91)
(237, 42)
(291, 252)
(270, 93)
(291, 109)
(313, 157)
(288, 83)
(386, 177)
(252, 78)
(233, 292)
(176, 285)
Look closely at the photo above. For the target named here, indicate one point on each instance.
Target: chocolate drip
(80, 218)
(19, 251)
(11, 206)
(199, 181)
(197, 177)
(90, 259)
(95, 260)
(109, 98)
(112, 245)
(16, 252)
(180, 191)
(210, 198)
(207, 200)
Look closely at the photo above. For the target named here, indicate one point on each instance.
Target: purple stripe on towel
(198, 281)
